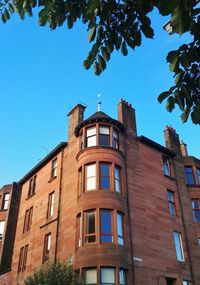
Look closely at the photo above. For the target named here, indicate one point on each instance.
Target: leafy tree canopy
(119, 24)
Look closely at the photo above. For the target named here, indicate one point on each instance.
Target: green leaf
(185, 62)
(6, 14)
(163, 96)
(173, 58)
(180, 20)
(185, 115)
(147, 31)
(3, 18)
(92, 34)
(109, 46)
(138, 38)
(118, 42)
(87, 64)
(124, 49)
(170, 104)
(179, 99)
(97, 69)
(11, 8)
(166, 7)
(102, 63)
(105, 53)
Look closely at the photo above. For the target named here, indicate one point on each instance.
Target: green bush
(52, 273)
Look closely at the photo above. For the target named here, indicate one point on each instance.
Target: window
(28, 219)
(186, 282)
(106, 226)
(117, 179)
(91, 136)
(178, 246)
(51, 202)
(22, 258)
(104, 135)
(120, 238)
(80, 181)
(47, 247)
(170, 281)
(115, 138)
(107, 276)
(90, 276)
(122, 277)
(104, 175)
(6, 197)
(199, 241)
(196, 209)
(171, 203)
(110, 225)
(54, 169)
(32, 185)
(189, 175)
(90, 229)
(79, 230)
(166, 166)
(90, 177)
(2, 225)
(198, 175)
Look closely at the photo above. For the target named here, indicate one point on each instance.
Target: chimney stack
(172, 140)
(126, 115)
(76, 115)
(184, 150)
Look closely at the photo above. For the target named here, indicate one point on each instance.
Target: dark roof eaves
(156, 146)
(44, 161)
(97, 119)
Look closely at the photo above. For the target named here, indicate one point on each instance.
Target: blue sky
(42, 78)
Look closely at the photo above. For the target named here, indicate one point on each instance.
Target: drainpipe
(183, 221)
(59, 201)
(129, 218)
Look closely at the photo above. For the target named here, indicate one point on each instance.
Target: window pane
(104, 130)
(105, 175)
(120, 229)
(186, 282)
(90, 276)
(91, 131)
(107, 276)
(115, 139)
(178, 246)
(122, 277)
(117, 179)
(90, 223)
(198, 175)
(91, 141)
(2, 225)
(166, 167)
(91, 176)
(189, 175)
(106, 226)
(104, 140)
(171, 203)
(48, 242)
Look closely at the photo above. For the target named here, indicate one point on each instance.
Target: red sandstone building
(123, 207)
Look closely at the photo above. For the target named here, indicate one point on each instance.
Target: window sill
(3, 210)
(52, 179)
(49, 221)
(30, 196)
(170, 177)
(193, 185)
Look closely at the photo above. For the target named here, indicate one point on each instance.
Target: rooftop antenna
(99, 102)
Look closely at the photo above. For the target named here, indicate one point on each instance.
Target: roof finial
(99, 102)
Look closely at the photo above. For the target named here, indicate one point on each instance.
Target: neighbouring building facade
(124, 208)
